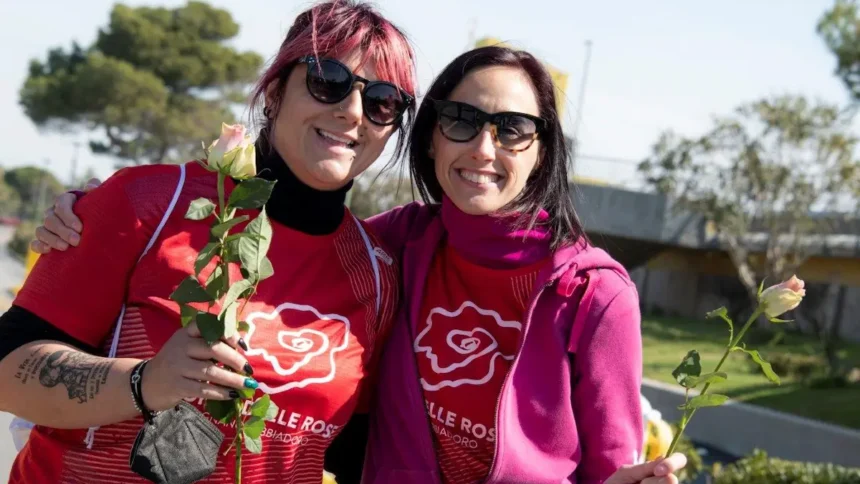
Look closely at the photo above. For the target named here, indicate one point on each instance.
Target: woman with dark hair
(516, 356)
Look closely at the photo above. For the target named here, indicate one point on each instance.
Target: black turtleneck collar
(294, 204)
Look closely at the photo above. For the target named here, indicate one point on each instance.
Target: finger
(91, 184)
(39, 247)
(208, 391)
(64, 208)
(235, 341)
(220, 352)
(633, 474)
(671, 464)
(670, 479)
(207, 372)
(61, 230)
(50, 239)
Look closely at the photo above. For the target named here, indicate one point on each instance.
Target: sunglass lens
(515, 132)
(328, 81)
(457, 122)
(383, 103)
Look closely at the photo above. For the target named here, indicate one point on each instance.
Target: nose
(350, 108)
(485, 148)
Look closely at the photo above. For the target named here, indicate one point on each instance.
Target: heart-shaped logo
(469, 345)
(299, 345)
(468, 342)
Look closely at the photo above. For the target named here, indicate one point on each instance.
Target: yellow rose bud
(233, 153)
(782, 297)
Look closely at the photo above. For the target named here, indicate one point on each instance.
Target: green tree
(10, 201)
(839, 27)
(371, 196)
(36, 189)
(760, 175)
(155, 84)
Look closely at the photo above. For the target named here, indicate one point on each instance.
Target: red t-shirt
(469, 334)
(314, 340)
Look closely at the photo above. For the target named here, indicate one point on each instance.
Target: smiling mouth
(479, 178)
(333, 138)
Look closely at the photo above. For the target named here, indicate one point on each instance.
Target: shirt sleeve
(395, 226)
(608, 378)
(81, 290)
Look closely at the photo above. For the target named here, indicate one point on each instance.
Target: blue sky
(666, 64)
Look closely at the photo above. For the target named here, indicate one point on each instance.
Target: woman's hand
(61, 227)
(660, 471)
(186, 368)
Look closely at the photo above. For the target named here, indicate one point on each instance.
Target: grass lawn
(667, 340)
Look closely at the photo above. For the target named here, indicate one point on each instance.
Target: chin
(332, 174)
(477, 205)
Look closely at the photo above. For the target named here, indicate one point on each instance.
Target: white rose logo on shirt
(459, 348)
(299, 341)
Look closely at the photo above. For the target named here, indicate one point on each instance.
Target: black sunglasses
(330, 82)
(511, 131)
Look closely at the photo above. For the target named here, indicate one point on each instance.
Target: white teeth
(325, 134)
(479, 178)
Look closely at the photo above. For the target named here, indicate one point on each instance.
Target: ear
(272, 95)
(431, 153)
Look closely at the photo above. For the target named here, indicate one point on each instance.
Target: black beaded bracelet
(136, 382)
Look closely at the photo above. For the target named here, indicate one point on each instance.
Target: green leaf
(243, 327)
(690, 366)
(272, 413)
(254, 446)
(253, 427)
(706, 379)
(211, 327)
(251, 193)
(219, 230)
(707, 400)
(221, 410)
(215, 283)
(261, 406)
(252, 250)
(765, 366)
(266, 269)
(200, 209)
(186, 314)
(246, 393)
(724, 314)
(265, 408)
(239, 235)
(760, 289)
(205, 256)
(236, 290)
(228, 316)
(190, 290)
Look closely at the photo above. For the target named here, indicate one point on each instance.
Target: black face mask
(179, 446)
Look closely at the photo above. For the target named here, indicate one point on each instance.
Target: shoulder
(401, 224)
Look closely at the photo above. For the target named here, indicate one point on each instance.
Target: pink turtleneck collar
(493, 241)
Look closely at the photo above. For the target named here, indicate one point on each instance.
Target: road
(11, 274)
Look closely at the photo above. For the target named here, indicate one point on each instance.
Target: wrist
(136, 383)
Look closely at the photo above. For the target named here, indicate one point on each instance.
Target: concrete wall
(738, 428)
(691, 294)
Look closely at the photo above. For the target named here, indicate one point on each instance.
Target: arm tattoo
(82, 374)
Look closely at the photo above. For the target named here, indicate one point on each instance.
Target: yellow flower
(782, 297)
(233, 153)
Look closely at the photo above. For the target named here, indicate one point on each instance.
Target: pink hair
(337, 27)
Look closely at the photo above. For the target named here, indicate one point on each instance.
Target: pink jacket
(569, 410)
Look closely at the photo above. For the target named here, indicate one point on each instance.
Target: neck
(495, 241)
(295, 204)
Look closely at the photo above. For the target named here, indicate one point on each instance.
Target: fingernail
(234, 394)
(251, 383)
(248, 369)
(661, 469)
(74, 239)
(62, 246)
(242, 344)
